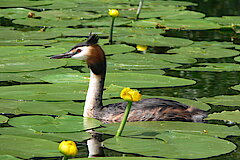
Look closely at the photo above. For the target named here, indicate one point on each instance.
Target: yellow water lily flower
(141, 47)
(113, 12)
(68, 148)
(130, 95)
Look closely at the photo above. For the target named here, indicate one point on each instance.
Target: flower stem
(65, 157)
(124, 120)
(111, 30)
(139, 9)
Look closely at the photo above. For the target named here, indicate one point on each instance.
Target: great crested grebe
(152, 109)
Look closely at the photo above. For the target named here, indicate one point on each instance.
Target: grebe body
(152, 109)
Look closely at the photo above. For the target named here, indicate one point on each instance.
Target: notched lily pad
(27, 148)
(223, 100)
(172, 145)
(63, 123)
(232, 116)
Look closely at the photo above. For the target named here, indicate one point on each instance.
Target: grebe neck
(94, 94)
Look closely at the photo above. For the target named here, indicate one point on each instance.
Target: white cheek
(83, 55)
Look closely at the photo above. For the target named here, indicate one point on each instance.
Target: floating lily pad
(51, 108)
(225, 20)
(23, 3)
(237, 87)
(68, 14)
(155, 41)
(25, 42)
(28, 63)
(142, 129)
(232, 116)
(172, 145)
(26, 148)
(47, 22)
(57, 137)
(197, 52)
(132, 80)
(3, 119)
(183, 24)
(224, 100)
(144, 62)
(51, 92)
(133, 31)
(8, 157)
(121, 158)
(34, 76)
(118, 48)
(15, 13)
(105, 22)
(177, 58)
(214, 67)
(63, 123)
(237, 59)
(206, 44)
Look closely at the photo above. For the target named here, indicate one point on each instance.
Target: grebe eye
(79, 50)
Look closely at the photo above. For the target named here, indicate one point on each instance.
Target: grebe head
(89, 51)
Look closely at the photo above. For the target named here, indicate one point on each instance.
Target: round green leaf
(213, 67)
(155, 41)
(173, 145)
(118, 48)
(63, 123)
(232, 116)
(143, 62)
(237, 87)
(121, 158)
(206, 44)
(197, 52)
(23, 3)
(26, 148)
(28, 63)
(225, 20)
(46, 92)
(224, 100)
(142, 129)
(57, 137)
(133, 80)
(8, 157)
(3, 119)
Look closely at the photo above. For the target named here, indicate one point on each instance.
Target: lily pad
(196, 52)
(144, 62)
(57, 137)
(15, 13)
(23, 3)
(206, 44)
(172, 145)
(133, 31)
(214, 67)
(45, 92)
(121, 158)
(47, 22)
(26, 148)
(232, 116)
(8, 157)
(155, 41)
(142, 129)
(224, 100)
(34, 76)
(183, 24)
(3, 119)
(177, 58)
(28, 63)
(118, 48)
(225, 20)
(133, 80)
(63, 123)
(237, 87)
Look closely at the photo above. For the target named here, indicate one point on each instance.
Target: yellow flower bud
(113, 12)
(141, 47)
(130, 95)
(68, 148)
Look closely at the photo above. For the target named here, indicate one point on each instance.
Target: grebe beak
(68, 54)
